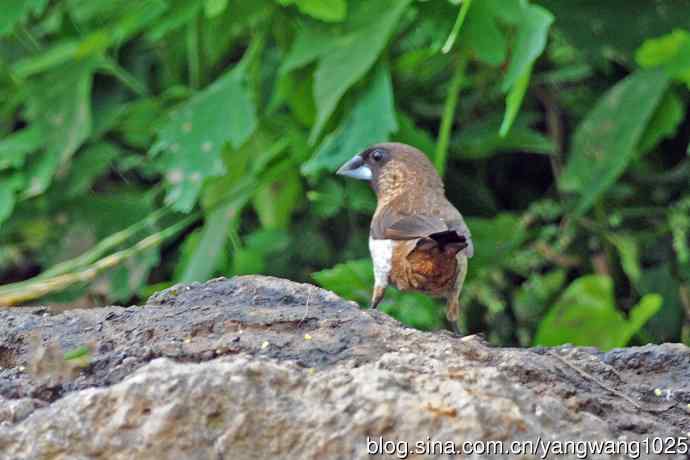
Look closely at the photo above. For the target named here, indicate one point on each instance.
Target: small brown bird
(418, 240)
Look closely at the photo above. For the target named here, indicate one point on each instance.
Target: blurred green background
(150, 142)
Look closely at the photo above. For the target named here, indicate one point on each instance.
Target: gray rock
(261, 368)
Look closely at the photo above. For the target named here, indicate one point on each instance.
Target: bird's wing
(411, 227)
(392, 225)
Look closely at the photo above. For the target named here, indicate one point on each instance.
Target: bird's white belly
(382, 256)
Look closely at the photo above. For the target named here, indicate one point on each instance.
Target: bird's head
(392, 166)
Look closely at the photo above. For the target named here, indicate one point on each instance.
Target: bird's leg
(377, 296)
(453, 298)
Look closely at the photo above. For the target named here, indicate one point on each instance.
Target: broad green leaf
(328, 199)
(131, 276)
(615, 28)
(586, 315)
(213, 8)
(409, 133)
(372, 120)
(359, 197)
(670, 52)
(180, 13)
(275, 202)
(189, 144)
(481, 139)
(664, 122)
(86, 167)
(55, 55)
(259, 253)
(15, 147)
(16, 11)
(666, 325)
(325, 10)
(533, 29)
(60, 106)
(352, 56)
(608, 138)
(7, 199)
(533, 296)
(352, 280)
(310, 44)
(514, 101)
(414, 309)
(640, 314)
(629, 255)
(495, 240)
(208, 252)
(483, 35)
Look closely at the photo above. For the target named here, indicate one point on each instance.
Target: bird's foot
(455, 327)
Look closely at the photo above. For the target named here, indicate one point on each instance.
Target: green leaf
(15, 147)
(595, 28)
(88, 166)
(482, 34)
(666, 325)
(586, 315)
(352, 56)
(352, 280)
(641, 313)
(76, 353)
(190, 142)
(514, 101)
(325, 10)
(60, 106)
(629, 253)
(276, 202)
(495, 240)
(16, 11)
(131, 276)
(7, 198)
(414, 309)
(481, 139)
(664, 122)
(607, 139)
(328, 199)
(372, 120)
(533, 295)
(409, 133)
(57, 54)
(670, 52)
(310, 44)
(213, 8)
(257, 256)
(208, 252)
(530, 42)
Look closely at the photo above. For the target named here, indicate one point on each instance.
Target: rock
(260, 368)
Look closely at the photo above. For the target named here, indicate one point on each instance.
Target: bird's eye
(377, 155)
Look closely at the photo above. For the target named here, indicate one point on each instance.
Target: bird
(418, 240)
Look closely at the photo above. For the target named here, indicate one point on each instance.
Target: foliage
(160, 141)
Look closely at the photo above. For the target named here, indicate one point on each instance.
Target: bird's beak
(356, 168)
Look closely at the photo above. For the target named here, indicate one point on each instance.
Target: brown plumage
(418, 240)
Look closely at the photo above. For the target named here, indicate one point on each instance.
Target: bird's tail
(449, 241)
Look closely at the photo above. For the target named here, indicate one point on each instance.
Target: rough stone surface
(262, 368)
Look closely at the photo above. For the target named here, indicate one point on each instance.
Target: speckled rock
(262, 368)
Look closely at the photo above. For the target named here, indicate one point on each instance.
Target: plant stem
(13, 294)
(193, 53)
(464, 8)
(441, 155)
